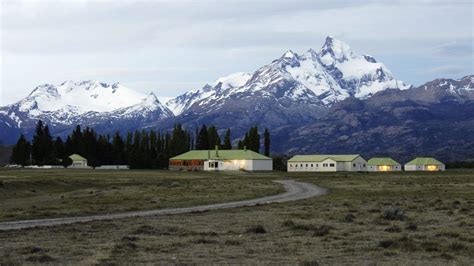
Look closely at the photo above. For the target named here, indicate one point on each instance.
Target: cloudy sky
(169, 47)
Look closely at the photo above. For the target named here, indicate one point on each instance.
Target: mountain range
(329, 100)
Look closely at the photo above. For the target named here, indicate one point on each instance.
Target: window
(296, 165)
(306, 165)
(311, 165)
(301, 165)
(291, 165)
(325, 165)
(363, 165)
(331, 165)
(317, 165)
(353, 165)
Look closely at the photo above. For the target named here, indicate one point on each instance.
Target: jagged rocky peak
(335, 50)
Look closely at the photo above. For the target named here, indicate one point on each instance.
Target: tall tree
(36, 145)
(254, 139)
(58, 149)
(213, 137)
(227, 145)
(42, 146)
(118, 148)
(266, 142)
(21, 152)
(202, 142)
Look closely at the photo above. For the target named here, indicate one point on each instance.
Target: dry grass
(345, 226)
(57, 193)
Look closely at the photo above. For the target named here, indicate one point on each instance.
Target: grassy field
(28, 194)
(404, 218)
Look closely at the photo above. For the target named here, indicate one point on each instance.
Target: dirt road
(294, 191)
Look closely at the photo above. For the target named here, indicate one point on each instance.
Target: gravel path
(294, 191)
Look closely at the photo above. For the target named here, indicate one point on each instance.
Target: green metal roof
(382, 161)
(223, 155)
(424, 161)
(322, 157)
(77, 157)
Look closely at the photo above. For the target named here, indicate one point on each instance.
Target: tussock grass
(429, 235)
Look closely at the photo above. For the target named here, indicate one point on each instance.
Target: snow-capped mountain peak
(84, 96)
(330, 75)
(335, 50)
(209, 91)
(71, 101)
(232, 81)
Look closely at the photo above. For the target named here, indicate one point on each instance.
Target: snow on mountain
(183, 102)
(360, 76)
(82, 97)
(316, 78)
(72, 102)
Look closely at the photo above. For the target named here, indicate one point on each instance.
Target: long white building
(221, 160)
(327, 163)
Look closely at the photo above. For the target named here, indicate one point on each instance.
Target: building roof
(382, 161)
(223, 155)
(77, 157)
(322, 157)
(424, 161)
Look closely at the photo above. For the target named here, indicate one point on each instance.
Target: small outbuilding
(383, 164)
(221, 160)
(327, 163)
(424, 164)
(78, 161)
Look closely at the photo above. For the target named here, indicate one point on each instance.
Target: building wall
(236, 165)
(79, 164)
(328, 165)
(421, 167)
(261, 165)
(324, 166)
(375, 168)
(358, 164)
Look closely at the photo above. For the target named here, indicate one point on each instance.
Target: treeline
(138, 149)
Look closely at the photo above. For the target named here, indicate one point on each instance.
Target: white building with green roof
(383, 164)
(78, 161)
(327, 163)
(221, 160)
(424, 164)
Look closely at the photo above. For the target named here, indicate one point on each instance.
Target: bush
(393, 213)
(40, 258)
(349, 218)
(288, 223)
(393, 229)
(387, 243)
(412, 227)
(322, 230)
(258, 229)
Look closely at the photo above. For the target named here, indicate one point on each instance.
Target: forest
(145, 149)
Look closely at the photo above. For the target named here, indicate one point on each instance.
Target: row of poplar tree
(138, 149)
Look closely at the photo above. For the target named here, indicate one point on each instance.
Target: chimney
(245, 147)
(217, 150)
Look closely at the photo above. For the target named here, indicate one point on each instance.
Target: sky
(169, 47)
